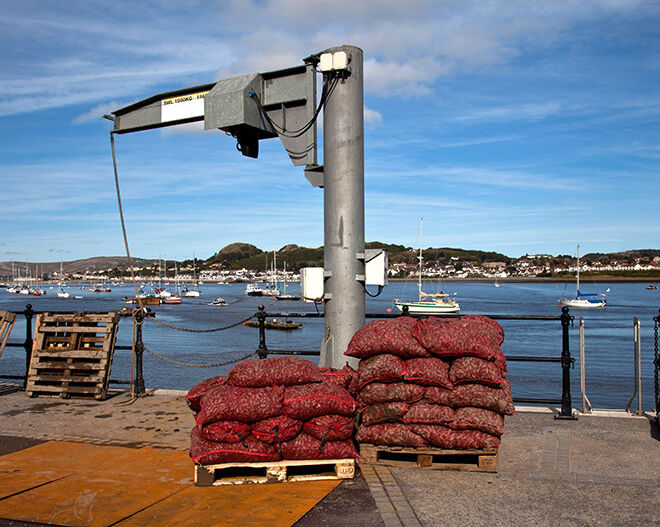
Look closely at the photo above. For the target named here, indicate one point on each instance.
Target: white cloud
(522, 112)
(372, 116)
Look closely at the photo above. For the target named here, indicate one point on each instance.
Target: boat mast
(577, 288)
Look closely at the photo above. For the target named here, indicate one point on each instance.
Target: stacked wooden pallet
(72, 355)
(473, 460)
(6, 323)
(274, 472)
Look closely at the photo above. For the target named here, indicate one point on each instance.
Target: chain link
(656, 369)
(191, 365)
(212, 330)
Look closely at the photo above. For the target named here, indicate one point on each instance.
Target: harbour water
(608, 333)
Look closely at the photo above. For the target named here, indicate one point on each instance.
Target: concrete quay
(601, 469)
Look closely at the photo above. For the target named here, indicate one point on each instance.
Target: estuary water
(608, 333)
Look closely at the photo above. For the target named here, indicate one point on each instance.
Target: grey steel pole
(343, 210)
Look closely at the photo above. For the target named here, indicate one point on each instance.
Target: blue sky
(511, 126)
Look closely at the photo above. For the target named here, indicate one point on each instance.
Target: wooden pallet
(474, 460)
(273, 471)
(72, 355)
(6, 324)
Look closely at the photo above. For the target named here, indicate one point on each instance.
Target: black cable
(325, 95)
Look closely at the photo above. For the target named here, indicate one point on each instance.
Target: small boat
(218, 302)
(427, 303)
(172, 299)
(274, 324)
(651, 287)
(583, 300)
(253, 290)
(284, 296)
(63, 294)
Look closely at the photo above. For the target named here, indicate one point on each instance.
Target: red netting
(474, 370)
(226, 431)
(206, 452)
(386, 336)
(306, 401)
(341, 377)
(330, 427)
(390, 434)
(198, 391)
(427, 372)
(470, 335)
(425, 413)
(274, 371)
(380, 368)
(443, 437)
(384, 413)
(232, 403)
(377, 392)
(498, 399)
(276, 429)
(469, 418)
(307, 447)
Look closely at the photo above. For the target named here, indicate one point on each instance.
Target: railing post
(28, 313)
(656, 365)
(139, 352)
(566, 364)
(583, 375)
(262, 350)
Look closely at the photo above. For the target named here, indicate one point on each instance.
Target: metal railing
(564, 359)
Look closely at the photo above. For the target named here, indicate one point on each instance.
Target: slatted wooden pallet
(273, 471)
(474, 460)
(6, 323)
(72, 355)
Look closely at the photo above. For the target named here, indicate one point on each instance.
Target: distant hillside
(98, 263)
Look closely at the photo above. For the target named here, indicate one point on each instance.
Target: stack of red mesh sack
(432, 383)
(273, 409)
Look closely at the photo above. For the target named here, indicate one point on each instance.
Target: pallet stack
(72, 355)
(431, 393)
(270, 420)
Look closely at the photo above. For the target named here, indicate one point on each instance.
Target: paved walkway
(598, 470)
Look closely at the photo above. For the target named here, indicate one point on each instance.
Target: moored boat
(583, 300)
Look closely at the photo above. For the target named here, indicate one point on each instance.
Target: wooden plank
(473, 460)
(7, 320)
(72, 354)
(274, 472)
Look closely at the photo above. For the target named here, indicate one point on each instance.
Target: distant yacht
(583, 300)
(427, 303)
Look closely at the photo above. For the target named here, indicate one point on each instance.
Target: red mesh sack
(307, 401)
(469, 418)
(341, 377)
(225, 431)
(384, 413)
(467, 336)
(276, 429)
(474, 370)
(432, 414)
(390, 434)
(377, 392)
(386, 336)
(443, 437)
(427, 372)
(500, 361)
(232, 403)
(194, 396)
(206, 452)
(307, 447)
(274, 371)
(380, 368)
(498, 399)
(330, 427)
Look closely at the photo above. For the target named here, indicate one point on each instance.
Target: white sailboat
(61, 292)
(427, 303)
(192, 292)
(272, 289)
(284, 296)
(583, 300)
